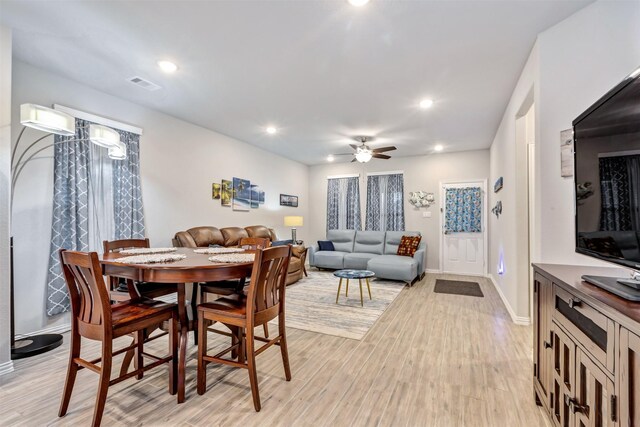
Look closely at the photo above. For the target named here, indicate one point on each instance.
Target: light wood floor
(431, 360)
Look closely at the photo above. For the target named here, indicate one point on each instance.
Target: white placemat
(232, 258)
(214, 251)
(146, 251)
(150, 259)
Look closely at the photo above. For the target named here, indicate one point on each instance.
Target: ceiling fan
(363, 153)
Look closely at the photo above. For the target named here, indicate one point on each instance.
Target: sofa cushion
(392, 240)
(329, 259)
(371, 242)
(326, 245)
(342, 239)
(394, 267)
(205, 236)
(232, 235)
(357, 261)
(259, 231)
(409, 245)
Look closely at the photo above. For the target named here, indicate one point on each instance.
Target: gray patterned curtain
(127, 193)
(385, 202)
(70, 225)
(94, 198)
(343, 204)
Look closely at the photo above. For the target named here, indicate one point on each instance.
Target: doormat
(458, 287)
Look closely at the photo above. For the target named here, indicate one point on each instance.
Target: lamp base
(34, 345)
(293, 236)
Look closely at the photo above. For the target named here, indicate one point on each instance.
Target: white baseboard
(58, 329)
(432, 270)
(518, 320)
(6, 367)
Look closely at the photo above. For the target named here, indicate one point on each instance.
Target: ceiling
(319, 71)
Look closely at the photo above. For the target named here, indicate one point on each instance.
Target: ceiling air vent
(144, 84)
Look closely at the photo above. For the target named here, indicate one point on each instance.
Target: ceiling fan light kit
(363, 153)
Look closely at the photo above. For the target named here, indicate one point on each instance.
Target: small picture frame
(216, 189)
(288, 200)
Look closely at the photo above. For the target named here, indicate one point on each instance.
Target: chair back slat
(118, 245)
(254, 243)
(268, 278)
(88, 293)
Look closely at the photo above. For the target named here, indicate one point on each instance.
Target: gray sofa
(371, 250)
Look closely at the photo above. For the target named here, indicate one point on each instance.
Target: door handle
(574, 406)
(575, 302)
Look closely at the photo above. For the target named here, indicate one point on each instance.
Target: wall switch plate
(426, 214)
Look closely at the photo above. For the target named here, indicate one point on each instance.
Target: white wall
(179, 162)
(571, 65)
(420, 173)
(5, 194)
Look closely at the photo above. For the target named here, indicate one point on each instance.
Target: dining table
(195, 268)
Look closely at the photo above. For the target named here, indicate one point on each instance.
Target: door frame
(485, 212)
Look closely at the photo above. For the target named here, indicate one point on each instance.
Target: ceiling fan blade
(354, 159)
(354, 146)
(380, 156)
(383, 149)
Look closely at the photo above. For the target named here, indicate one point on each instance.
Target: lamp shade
(103, 136)
(118, 152)
(293, 221)
(47, 119)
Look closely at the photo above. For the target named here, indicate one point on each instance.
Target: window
(385, 202)
(343, 203)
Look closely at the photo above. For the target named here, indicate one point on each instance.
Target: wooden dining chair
(149, 290)
(254, 243)
(94, 318)
(264, 301)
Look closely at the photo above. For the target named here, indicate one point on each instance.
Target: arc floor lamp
(51, 122)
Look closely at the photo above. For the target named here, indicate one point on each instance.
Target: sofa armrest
(310, 254)
(421, 257)
(298, 251)
(184, 239)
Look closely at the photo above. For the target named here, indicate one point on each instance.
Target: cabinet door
(593, 404)
(563, 377)
(629, 378)
(543, 306)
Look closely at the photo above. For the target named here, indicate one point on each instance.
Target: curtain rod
(352, 175)
(386, 173)
(97, 119)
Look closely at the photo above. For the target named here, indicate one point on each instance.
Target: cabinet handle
(547, 345)
(574, 406)
(575, 302)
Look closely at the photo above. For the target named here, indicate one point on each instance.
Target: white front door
(463, 251)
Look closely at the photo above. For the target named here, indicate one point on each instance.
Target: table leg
(339, 286)
(361, 298)
(184, 332)
(369, 288)
(346, 294)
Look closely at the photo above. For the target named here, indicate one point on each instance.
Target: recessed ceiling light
(167, 66)
(271, 130)
(426, 103)
(358, 3)
(330, 158)
(438, 147)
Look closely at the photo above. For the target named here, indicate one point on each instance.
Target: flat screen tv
(607, 181)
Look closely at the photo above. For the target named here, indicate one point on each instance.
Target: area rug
(311, 305)
(458, 287)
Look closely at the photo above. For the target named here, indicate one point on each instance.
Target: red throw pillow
(409, 245)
